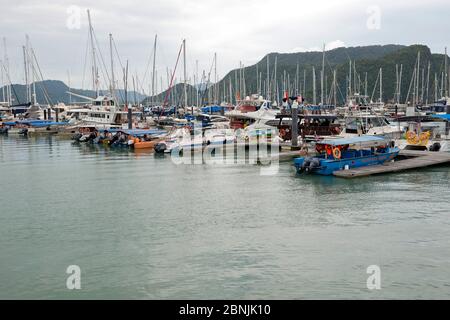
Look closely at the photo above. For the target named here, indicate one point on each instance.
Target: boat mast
(257, 80)
(350, 79)
(435, 87)
(400, 81)
(94, 62)
(314, 85)
(418, 78)
(185, 77)
(322, 75)
(231, 92)
(198, 84)
(27, 67)
(33, 79)
(268, 80)
(304, 82)
(113, 85)
(335, 87)
(153, 72)
(381, 85)
(275, 80)
(3, 83)
(6, 67)
(26, 73)
(216, 87)
(428, 83)
(69, 89)
(445, 73)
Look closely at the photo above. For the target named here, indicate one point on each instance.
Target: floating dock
(407, 160)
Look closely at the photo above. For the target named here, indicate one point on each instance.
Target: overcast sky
(238, 30)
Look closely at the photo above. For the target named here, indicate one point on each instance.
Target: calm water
(140, 226)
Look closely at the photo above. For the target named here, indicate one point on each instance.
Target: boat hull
(145, 144)
(328, 167)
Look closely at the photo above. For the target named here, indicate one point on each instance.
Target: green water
(142, 227)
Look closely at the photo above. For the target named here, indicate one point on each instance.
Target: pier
(407, 160)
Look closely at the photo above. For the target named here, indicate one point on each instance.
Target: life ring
(412, 137)
(424, 137)
(337, 153)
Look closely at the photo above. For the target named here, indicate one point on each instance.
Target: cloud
(329, 46)
(238, 31)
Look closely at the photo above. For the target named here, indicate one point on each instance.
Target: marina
(159, 241)
(209, 151)
(414, 160)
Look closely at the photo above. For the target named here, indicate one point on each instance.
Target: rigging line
(375, 86)
(173, 74)
(121, 93)
(49, 101)
(207, 82)
(150, 58)
(117, 53)
(85, 62)
(105, 69)
(10, 83)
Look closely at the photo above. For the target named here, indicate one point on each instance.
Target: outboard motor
(435, 147)
(23, 131)
(77, 137)
(305, 164)
(160, 147)
(310, 164)
(315, 163)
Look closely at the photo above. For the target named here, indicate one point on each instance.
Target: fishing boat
(343, 154)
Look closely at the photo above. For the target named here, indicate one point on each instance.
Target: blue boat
(347, 153)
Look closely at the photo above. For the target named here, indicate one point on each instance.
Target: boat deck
(414, 160)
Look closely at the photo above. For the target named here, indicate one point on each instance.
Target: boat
(425, 133)
(249, 110)
(31, 127)
(368, 123)
(348, 153)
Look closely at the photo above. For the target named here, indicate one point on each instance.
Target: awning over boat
(442, 116)
(375, 140)
(138, 132)
(428, 118)
(35, 123)
(212, 109)
(308, 116)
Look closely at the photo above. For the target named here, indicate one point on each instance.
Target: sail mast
(185, 77)
(94, 62)
(322, 75)
(153, 72)
(26, 73)
(314, 86)
(112, 86)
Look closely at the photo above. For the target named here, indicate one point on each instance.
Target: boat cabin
(343, 154)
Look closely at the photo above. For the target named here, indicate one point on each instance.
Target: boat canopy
(211, 109)
(138, 132)
(36, 123)
(442, 116)
(367, 140)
